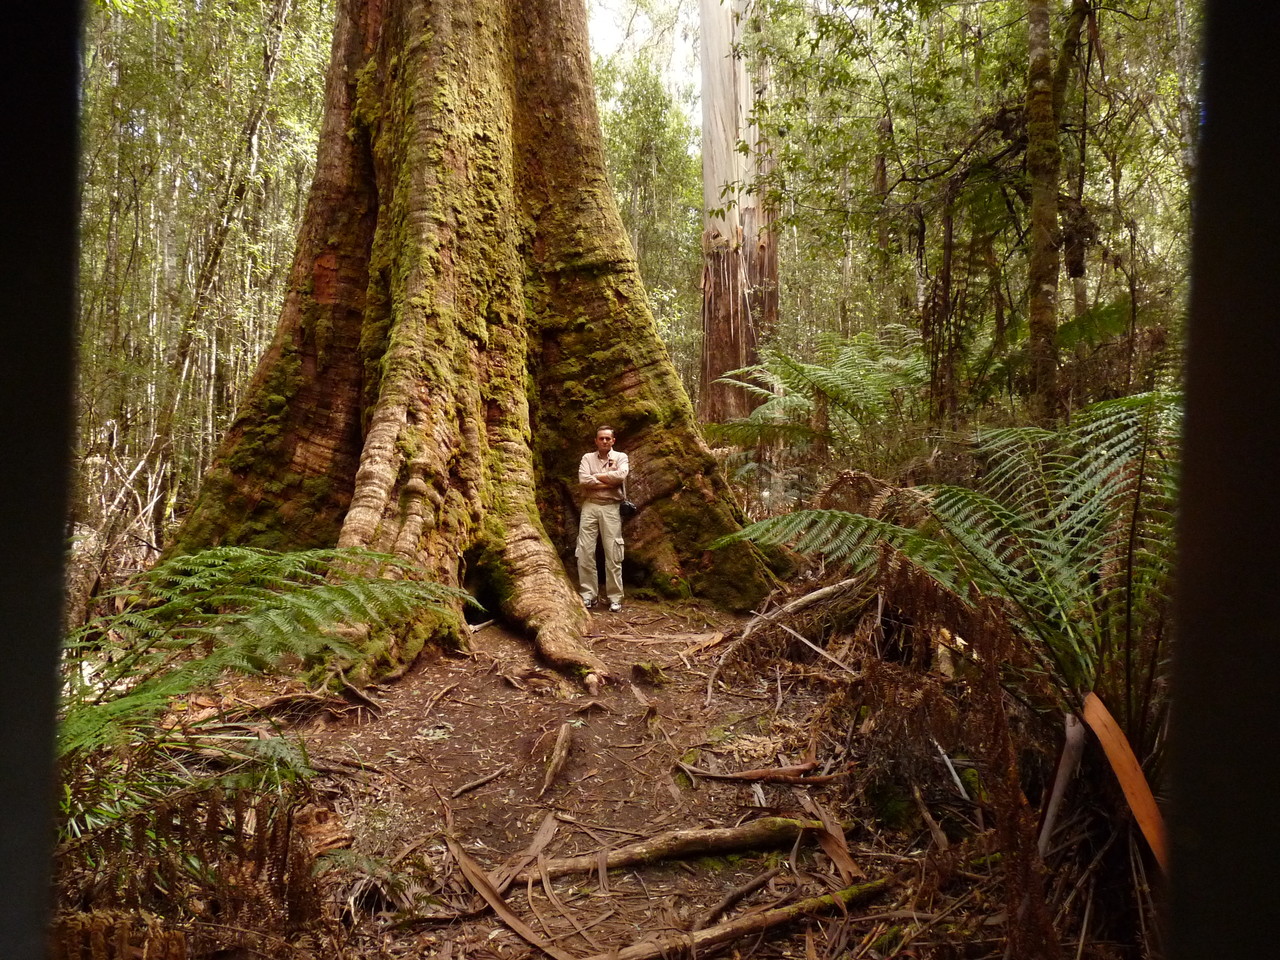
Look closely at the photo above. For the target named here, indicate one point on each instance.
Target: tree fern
(844, 397)
(1071, 531)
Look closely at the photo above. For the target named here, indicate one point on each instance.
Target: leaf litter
(501, 779)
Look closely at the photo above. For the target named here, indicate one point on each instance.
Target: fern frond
(1071, 531)
(228, 608)
(846, 538)
(752, 433)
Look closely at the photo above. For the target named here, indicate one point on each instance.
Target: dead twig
(818, 650)
(794, 774)
(935, 829)
(476, 784)
(436, 697)
(795, 606)
(735, 896)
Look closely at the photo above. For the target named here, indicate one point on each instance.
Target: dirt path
(392, 775)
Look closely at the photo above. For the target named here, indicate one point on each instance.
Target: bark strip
(559, 757)
(480, 882)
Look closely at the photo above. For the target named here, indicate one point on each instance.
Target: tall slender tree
(740, 263)
(464, 309)
(1046, 87)
(198, 124)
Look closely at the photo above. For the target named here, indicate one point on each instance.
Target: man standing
(601, 474)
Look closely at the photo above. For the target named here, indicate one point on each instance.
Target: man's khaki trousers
(604, 521)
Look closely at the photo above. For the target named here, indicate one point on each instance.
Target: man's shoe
(588, 602)
(615, 606)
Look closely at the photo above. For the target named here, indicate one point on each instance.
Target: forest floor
(402, 775)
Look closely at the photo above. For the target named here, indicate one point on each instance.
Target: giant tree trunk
(465, 309)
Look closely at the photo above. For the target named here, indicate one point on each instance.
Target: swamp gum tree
(739, 249)
(464, 309)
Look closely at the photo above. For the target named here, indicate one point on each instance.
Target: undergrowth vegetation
(849, 402)
(170, 803)
(1044, 587)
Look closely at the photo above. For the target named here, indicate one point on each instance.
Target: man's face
(604, 443)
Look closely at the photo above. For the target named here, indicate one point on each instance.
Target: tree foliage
(652, 157)
(858, 400)
(900, 172)
(1069, 532)
(199, 129)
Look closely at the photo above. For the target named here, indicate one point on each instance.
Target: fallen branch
(800, 603)
(694, 943)
(795, 774)
(765, 833)
(795, 606)
(476, 784)
(822, 653)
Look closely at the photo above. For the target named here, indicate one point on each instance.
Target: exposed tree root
(692, 943)
(765, 833)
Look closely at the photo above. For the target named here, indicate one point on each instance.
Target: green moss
(887, 943)
(892, 806)
(973, 785)
(389, 651)
(488, 576)
(719, 734)
(649, 673)
(722, 864)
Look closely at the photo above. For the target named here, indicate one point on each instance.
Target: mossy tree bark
(465, 309)
(1046, 89)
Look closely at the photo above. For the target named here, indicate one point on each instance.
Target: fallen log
(691, 944)
(765, 833)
